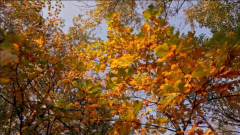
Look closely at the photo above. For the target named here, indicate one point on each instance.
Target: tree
(179, 77)
(130, 12)
(37, 90)
(221, 18)
(145, 78)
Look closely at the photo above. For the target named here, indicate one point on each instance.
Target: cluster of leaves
(130, 12)
(175, 76)
(222, 18)
(38, 66)
(152, 81)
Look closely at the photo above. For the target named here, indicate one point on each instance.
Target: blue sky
(71, 9)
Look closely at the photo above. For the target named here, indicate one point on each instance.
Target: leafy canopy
(146, 79)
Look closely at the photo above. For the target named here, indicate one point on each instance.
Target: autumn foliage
(143, 79)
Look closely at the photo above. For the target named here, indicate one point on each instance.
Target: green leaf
(70, 106)
(121, 71)
(88, 82)
(112, 75)
(16, 39)
(140, 35)
(79, 95)
(170, 32)
(162, 50)
(159, 11)
(96, 90)
(97, 68)
(169, 88)
(146, 15)
(137, 105)
(61, 103)
(150, 7)
(200, 72)
(130, 71)
(110, 16)
(27, 45)
(6, 45)
(180, 85)
(238, 33)
(237, 38)
(24, 75)
(162, 92)
(60, 66)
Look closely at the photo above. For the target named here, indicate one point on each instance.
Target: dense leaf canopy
(145, 78)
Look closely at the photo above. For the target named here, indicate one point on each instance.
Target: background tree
(37, 90)
(218, 16)
(145, 78)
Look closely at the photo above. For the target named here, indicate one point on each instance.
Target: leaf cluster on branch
(145, 78)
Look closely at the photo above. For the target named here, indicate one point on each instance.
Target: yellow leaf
(163, 120)
(148, 111)
(173, 48)
(153, 96)
(174, 67)
(146, 27)
(161, 59)
(15, 45)
(39, 42)
(209, 132)
(66, 81)
(56, 38)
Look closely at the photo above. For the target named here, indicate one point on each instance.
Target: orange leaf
(76, 103)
